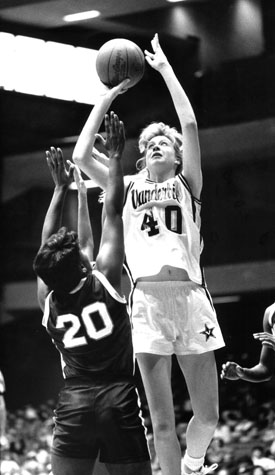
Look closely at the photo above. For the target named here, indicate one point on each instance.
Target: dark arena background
(223, 52)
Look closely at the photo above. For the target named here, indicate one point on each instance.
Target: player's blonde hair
(159, 128)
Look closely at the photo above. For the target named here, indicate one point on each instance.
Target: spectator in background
(260, 459)
(244, 465)
(258, 470)
(3, 413)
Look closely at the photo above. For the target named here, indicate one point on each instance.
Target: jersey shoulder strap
(108, 286)
(46, 313)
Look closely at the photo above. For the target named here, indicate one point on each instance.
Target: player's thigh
(140, 468)
(156, 376)
(71, 466)
(200, 373)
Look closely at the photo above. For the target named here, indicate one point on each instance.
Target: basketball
(119, 59)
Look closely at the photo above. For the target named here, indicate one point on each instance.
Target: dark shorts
(104, 419)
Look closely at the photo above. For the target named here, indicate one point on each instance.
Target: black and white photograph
(137, 308)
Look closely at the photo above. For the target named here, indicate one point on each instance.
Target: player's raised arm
(83, 151)
(84, 227)
(62, 178)
(190, 147)
(111, 253)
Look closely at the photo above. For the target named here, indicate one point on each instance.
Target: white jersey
(162, 227)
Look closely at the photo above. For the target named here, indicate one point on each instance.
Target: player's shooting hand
(122, 87)
(231, 370)
(266, 339)
(56, 163)
(113, 92)
(157, 59)
(115, 135)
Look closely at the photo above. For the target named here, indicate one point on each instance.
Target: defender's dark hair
(58, 261)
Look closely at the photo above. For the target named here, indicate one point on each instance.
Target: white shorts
(174, 318)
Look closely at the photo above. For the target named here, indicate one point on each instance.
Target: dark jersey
(91, 329)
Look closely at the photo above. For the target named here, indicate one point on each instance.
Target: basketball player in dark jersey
(264, 369)
(98, 412)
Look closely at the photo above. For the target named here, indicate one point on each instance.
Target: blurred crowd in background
(243, 444)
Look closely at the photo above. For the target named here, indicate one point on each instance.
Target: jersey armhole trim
(46, 310)
(127, 190)
(187, 186)
(108, 286)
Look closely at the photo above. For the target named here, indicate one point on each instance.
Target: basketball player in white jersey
(264, 370)
(172, 311)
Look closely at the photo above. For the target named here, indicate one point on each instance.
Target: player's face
(160, 152)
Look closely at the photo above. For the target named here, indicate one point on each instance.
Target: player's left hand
(266, 339)
(56, 163)
(157, 59)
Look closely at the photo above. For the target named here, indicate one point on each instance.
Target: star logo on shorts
(208, 332)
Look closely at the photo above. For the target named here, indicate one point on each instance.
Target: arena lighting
(81, 16)
(226, 299)
(248, 16)
(23, 62)
(187, 1)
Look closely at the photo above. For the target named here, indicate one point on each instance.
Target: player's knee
(164, 429)
(209, 418)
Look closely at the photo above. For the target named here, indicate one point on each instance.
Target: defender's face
(160, 152)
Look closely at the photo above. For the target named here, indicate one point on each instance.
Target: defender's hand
(231, 370)
(266, 339)
(56, 163)
(115, 135)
